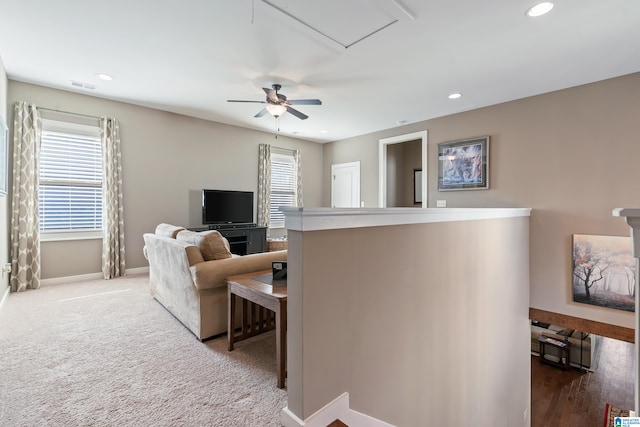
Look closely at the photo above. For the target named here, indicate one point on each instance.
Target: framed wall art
(604, 271)
(463, 164)
(417, 186)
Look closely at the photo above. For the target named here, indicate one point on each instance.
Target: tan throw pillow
(211, 243)
(168, 230)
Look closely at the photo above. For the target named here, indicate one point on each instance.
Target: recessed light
(401, 122)
(103, 76)
(539, 9)
(455, 96)
(324, 131)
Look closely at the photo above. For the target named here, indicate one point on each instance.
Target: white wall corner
(289, 419)
(337, 409)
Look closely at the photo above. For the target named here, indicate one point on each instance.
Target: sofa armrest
(160, 245)
(212, 274)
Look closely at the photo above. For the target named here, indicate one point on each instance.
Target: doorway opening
(398, 171)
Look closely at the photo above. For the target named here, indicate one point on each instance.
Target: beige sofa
(187, 272)
(580, 341)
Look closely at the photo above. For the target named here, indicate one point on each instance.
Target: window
(70, 190)
(283, 186)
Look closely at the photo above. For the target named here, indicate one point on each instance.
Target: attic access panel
(343, 22)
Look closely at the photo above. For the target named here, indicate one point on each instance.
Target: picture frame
(603, 271)
(463, 164)
(417, 186)
(4, 158)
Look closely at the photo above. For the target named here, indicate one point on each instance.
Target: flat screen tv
(227, 207)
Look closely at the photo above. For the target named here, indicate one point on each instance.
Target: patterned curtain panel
(25, 232)
(113, 264)
(296, 158)
(264, 184)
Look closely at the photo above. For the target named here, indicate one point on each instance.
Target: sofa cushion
(168, 230)
(211, 243)
(565, 332)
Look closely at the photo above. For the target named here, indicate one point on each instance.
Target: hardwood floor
(577, 399)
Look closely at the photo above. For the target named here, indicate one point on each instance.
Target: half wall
(417, 314)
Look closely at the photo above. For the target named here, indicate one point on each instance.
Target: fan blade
(297, 113)
(271, 95)
(261, 113)
(253, 102)
(304, 102)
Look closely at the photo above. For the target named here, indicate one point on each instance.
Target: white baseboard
(139, 270)
(337, 409)
(4, 296)
(86, 277)
(357, 419)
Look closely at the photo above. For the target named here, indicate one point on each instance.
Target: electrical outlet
(441, 203)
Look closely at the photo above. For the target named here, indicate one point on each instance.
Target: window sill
(70, 235)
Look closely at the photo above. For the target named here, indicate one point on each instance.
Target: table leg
(231, 324)
(281, 343)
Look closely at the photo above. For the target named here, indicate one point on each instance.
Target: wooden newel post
(633, 219)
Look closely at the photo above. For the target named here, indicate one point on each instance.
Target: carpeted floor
(104, 353)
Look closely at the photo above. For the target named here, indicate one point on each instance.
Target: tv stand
(225, 226)
(243, 238)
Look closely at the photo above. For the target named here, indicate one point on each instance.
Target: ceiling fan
(278, 104)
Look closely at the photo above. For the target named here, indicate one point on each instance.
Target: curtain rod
(68, 112)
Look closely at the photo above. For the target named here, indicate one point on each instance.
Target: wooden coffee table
(264, 308)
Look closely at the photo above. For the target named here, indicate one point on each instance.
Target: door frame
(382, 164)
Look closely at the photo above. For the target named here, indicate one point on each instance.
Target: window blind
(70, 190)
(283, 187)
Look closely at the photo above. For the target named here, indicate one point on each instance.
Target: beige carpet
(104, 353)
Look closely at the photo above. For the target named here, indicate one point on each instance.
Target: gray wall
(167, 159)
(405, 319)
(571, 155)
(5, 202)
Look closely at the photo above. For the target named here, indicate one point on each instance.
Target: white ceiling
(190, 56)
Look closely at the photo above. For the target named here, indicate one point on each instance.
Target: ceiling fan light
(539, 9)
(276, 110)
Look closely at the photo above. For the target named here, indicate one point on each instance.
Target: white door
(345, 185)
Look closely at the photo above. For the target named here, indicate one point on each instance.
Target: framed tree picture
(464, 164)
(604, 271)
